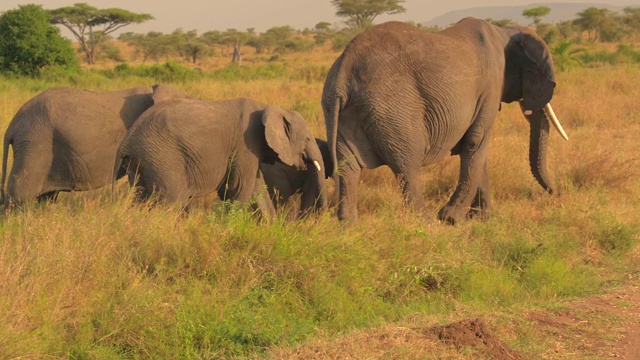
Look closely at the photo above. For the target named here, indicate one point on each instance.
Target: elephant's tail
(331, 114)
(117, 164)
(8, 140)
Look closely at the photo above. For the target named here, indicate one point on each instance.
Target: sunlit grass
(96, 277)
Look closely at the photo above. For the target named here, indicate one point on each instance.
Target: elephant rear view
(184, 148)
(405, 98)
(64, 139)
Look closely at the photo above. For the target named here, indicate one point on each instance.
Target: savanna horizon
(93, 277)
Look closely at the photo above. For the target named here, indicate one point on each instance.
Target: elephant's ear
(538, 76)
(283, 135)
(165, 92)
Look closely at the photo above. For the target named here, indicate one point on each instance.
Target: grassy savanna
(96, 277)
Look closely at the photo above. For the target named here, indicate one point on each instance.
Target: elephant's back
(183, 139)
(180, 128)
(69, 110)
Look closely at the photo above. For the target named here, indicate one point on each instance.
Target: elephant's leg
(263, 202)
(240, 186)
(141, 191)
(171, 185)
(473, 157)
(481, 205)
(175, 191)
(51, 196)
(348, 181)
(412, 186)
(27, 179)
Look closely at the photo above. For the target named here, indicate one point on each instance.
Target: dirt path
(628, 346)
(606, 326)
(603, 326)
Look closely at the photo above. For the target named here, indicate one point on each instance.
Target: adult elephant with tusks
(184, 149)
(401, 97)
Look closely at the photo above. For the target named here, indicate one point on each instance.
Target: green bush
(625, 54)
(170, 71)
(28, 43)
(110, 51)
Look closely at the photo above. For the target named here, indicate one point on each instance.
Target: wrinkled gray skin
(284, 181)
(64, 139)
(184, 149)
(401, 97)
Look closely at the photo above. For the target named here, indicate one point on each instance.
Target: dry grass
(90, 278)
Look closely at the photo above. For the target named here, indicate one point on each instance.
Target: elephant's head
(289, 136)
(529, 78)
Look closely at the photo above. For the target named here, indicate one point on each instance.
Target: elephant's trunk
(538, 145)
(5, 154)
(314, 196)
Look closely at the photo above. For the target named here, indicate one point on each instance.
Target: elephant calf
(284, 181)
(186, 148)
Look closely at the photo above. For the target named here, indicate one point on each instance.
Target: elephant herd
(396, 96)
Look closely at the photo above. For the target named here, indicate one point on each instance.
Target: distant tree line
(26, 52)
(592, 24)
(192, 46)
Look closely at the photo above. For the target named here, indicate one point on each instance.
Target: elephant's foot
(479, 213)
(347, 216)
(451, 215)
(481, 206)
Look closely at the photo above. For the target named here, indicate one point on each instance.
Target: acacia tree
(190, 45)
(599, 22)
(90, 25)
(152, 45)
(361, 13)
(536, 14)
(501, 22)
(632, 18)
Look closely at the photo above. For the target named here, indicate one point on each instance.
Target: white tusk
(317, 164)
(528, 112)
(552, 116)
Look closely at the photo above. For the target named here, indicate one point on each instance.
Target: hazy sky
(203, 15)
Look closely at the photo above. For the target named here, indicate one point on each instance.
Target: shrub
(625, 54)
(28, 43)
(110, 51)
(170, 71)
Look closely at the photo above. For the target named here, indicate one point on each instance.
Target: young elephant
(186, 148)
(64, 139)
(284, 181)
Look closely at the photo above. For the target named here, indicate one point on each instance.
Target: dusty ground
(597, 327)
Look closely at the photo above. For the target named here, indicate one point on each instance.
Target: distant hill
(559, 12)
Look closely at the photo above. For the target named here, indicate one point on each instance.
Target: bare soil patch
(474, 333)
